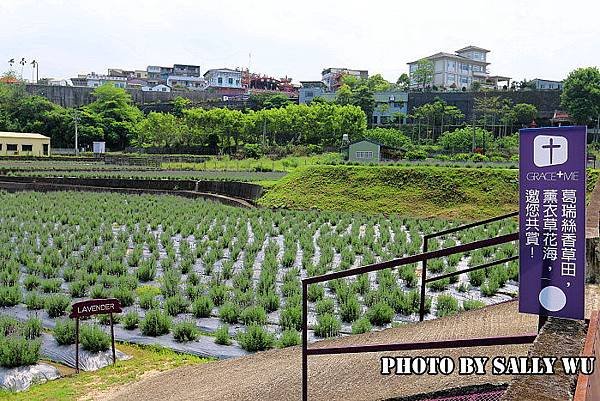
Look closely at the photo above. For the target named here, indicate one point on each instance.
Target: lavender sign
(552, 164)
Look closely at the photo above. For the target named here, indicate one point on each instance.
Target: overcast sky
(527, 39)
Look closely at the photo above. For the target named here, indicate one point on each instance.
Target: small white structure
(156, 88)
(99, 147)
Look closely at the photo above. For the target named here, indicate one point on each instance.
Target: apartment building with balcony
(459, 70)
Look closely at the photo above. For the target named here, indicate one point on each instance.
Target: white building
(546, 84)
(459, 70)
(94, 80)
(191, 83)
(224, 78)
(156, 88)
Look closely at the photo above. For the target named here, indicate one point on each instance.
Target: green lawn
(424, 191)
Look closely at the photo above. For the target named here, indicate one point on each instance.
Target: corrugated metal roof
(22, 135)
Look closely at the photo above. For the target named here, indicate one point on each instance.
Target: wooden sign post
(94, 307)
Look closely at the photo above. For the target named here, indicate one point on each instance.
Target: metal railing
(422, 257)
(427, 237)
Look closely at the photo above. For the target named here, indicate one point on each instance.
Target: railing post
(304, 341)
(423, 277)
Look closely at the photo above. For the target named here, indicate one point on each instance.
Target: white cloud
(528, 39)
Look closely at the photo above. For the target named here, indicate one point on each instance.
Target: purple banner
(552, 163)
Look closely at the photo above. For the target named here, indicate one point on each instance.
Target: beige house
(24, 144)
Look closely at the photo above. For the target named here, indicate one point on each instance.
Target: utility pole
(474, 145)
(76, 120)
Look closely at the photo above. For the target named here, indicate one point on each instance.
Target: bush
(269, 301)
(289, 338)
(350, 309)
(218, 293)
(185, 331)
(131, 320)
(255, 338)
(254, 314)
(9, 295)
(380, 314)
(315, 292)
(147, 271)
(94, 339)
(327, 326)
(18, 351)
(222, 335)
(490, 288)
(57, 304)
(229, 313)
(476, 277)
(148, 301)
(125, 296)
(155, 323)
(35, 301)
(325, 306)
(470, 304)
(416, 154)
(202, 306)
(64, 331)
(77, 289)
(446, 305)
(175, 305)
(290, 318)
(362, 325)
(32, 328)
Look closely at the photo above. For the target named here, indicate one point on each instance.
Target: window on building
(464, 80)
(465, 67)
(230, 81)
(451, 65)
(384, 119)
(0, 146)
(309, 94)
(450, 78)
(374, 119)
(164, 89)
(237, 82)
(220, 80)
(46, 149)
(11, 147)
(392, 98)
(27, 148)
(363, 154)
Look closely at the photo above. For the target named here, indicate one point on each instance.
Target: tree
(423, 74)
(159, 129)
(403, 82)
(377, 83)
(389, 136)
(260, 101)
(524, 113)
(180, 104)
(343, 96)
(118, 116)
(581, 94)
(461, 140)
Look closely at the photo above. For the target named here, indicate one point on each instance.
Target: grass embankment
(85, 384)
(457, 193)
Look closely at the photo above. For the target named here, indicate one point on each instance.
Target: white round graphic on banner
(552, 298)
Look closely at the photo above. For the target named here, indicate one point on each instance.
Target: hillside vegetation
(461, 193)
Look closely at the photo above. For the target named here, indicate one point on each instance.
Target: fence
(588, 387)
(427, 237)
(422, 257)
